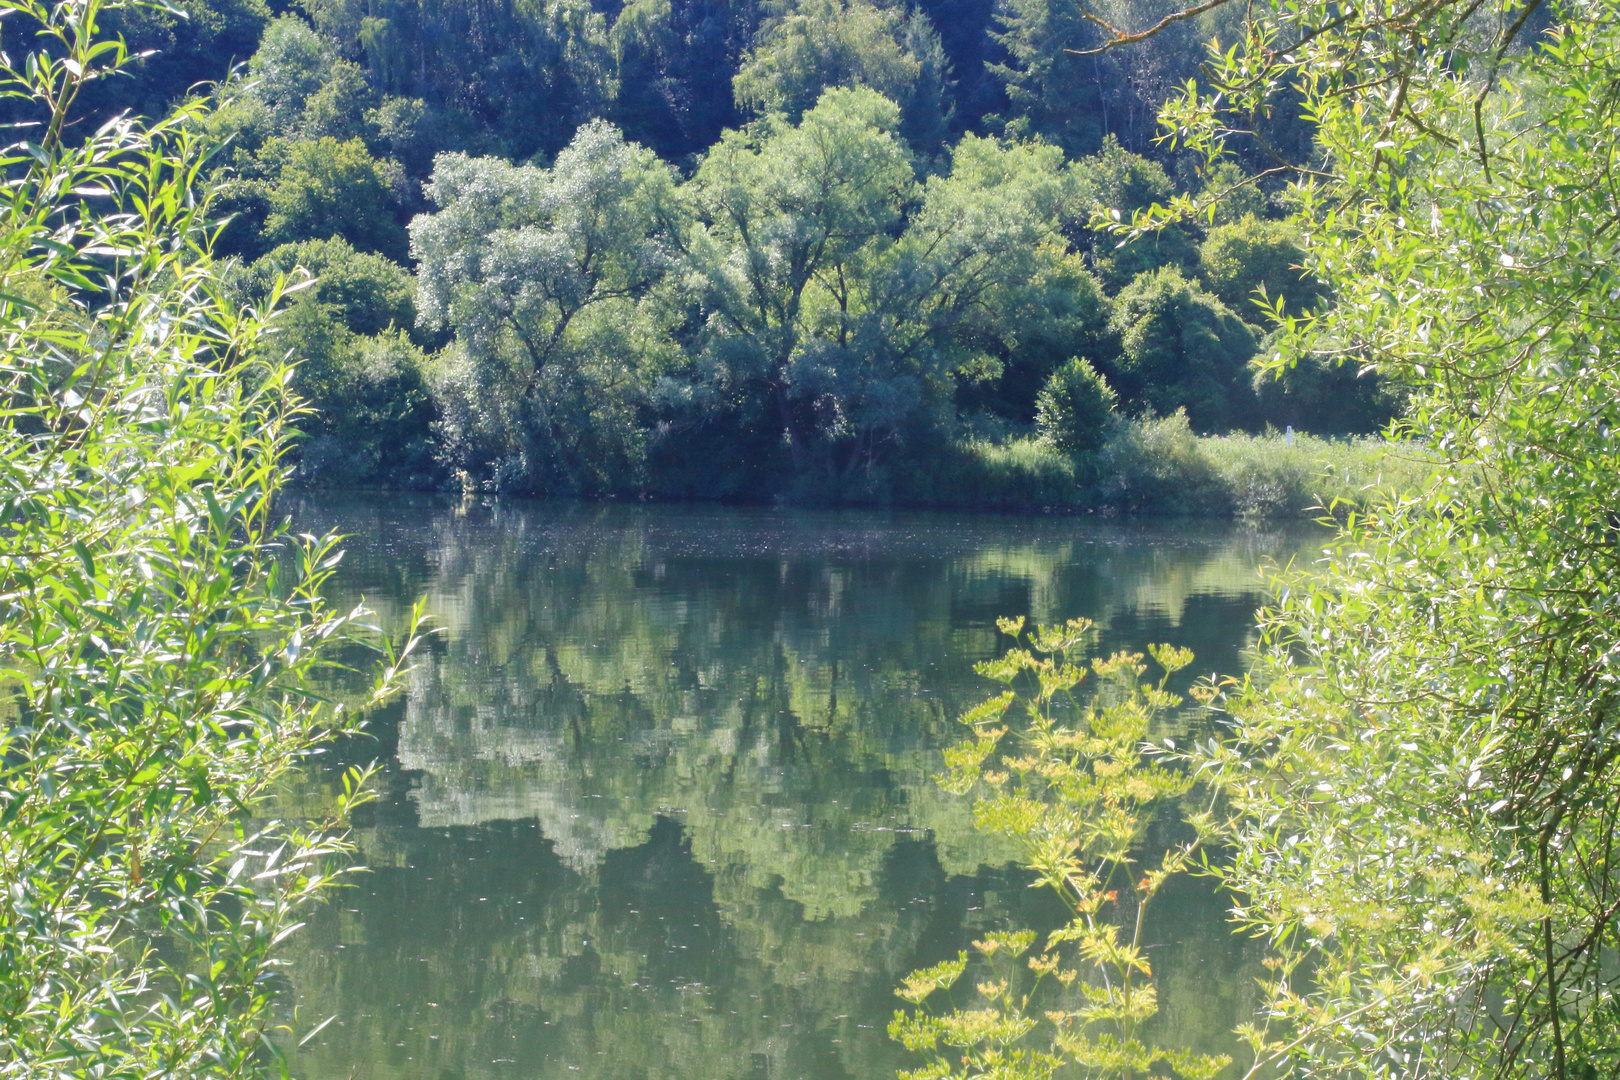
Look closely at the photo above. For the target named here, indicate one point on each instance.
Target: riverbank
(1160, 467)
(1155, 467)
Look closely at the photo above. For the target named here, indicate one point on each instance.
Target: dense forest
(821, 250)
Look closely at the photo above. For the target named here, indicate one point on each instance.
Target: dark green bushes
(362, 375)
(1181, 348)
(1075, 409)
(1020, 475)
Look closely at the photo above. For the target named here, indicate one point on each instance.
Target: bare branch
(1121, 38)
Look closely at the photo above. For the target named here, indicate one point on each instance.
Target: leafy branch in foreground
(1424, 767)
(1419, 779)
(1073, 787)
(160, 632)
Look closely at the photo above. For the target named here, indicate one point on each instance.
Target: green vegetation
(1075, 791)
(827, 283)
(162, 637)
(1257, 262)
(1161, 467)
(1446, 677)
(1411, 796)
(623, 232)
(1075, 409)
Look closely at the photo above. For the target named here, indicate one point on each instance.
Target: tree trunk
(790, 429)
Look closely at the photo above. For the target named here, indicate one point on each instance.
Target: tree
(1118, 184)
(287, 69)
(644, 39)
(849, 306)
(790, 218)
(1063, 87)
(996, 279)
(371, 412)
(676, 63)
(844, 299)
(1182, 349)
(820, 44)
(515, 79)
(162, 638)
(1060, 312)
(1135, 82)
(1327, 397)
(340, 107)
(964, 31)
(1478, 621)
(1074, 409)
(547, 278)
(408, 131)
(368, 293)
(1231, 193)
(1422, 771)
(298, 166)
(1252, 264)
(927, 114)
(177, 47)
(326, 188)
(1049, 97)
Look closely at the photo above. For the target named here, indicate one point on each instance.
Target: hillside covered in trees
(815, 249)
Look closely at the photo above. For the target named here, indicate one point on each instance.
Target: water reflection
(660, 799)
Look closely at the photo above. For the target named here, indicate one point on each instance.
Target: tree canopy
(546, 276)
(340, 117)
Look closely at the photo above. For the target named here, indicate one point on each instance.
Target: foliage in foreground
(158, 630)
(1070, 785)
(1417, 783)
(1424, 769)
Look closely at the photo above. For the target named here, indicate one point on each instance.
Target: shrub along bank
(1153, 466)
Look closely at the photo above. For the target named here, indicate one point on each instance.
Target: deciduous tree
(1182, 349)
(545, 276)
(326, 188)
(793, 219)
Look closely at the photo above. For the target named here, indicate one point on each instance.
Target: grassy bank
(1160, 467)
(1155, 467)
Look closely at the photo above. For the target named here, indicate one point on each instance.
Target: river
(659, 802)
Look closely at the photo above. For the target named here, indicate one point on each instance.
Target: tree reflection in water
(661, 798)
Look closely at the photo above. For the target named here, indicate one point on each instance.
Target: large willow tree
(160, 634)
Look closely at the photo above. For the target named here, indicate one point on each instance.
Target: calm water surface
(660, 803)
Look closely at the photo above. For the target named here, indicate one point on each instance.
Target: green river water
(659, 802)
